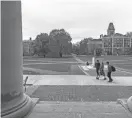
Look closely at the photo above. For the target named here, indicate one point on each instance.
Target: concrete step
(81, 93)
(46, 109)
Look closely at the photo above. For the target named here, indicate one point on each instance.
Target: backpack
(113, 68)
(87, 63)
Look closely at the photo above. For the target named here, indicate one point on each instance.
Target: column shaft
(13, 101)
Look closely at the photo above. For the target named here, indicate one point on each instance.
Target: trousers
(109, 76)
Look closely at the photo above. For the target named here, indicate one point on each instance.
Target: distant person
(102, 70)
(109, 71)
(97, 66)
(87, 63)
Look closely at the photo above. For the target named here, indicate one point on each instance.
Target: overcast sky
(81, 18)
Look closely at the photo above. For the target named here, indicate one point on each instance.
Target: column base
(129, 103)
(19, 111)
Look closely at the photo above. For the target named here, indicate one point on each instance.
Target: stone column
(14, 103)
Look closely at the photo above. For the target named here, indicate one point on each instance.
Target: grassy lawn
(28, 72)
(70, 65)
(65, 66)
(53, 67)
(124, 62)
(65, 58)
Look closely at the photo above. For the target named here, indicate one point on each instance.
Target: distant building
(27, 47)
(94, 45)
(115, 43)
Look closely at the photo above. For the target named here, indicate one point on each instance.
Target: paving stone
(79, 110)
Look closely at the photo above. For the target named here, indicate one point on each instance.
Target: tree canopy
(58, 37)
(41, 44)
(63, 40)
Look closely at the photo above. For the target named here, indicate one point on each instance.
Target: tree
(76, 48)
(99, 51)
(41, 45)
(84, 46)
(63, 40)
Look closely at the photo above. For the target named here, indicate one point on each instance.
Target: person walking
(102, 70)
(97, 66)
(109, 71)
(87, 63)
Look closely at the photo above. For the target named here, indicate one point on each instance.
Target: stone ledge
(34, 102)
(123, 102)
(79, 110)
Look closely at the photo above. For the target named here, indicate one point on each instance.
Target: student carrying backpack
(110, 70)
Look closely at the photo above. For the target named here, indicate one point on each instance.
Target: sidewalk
(79, 110)
(76, 80)
(85, 108)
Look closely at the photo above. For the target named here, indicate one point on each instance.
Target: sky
(81, 18)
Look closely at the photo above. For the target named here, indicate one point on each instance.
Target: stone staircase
(50, 109)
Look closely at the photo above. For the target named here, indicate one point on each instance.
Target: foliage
(84, 46)
(76, 48)
(41, 44)
(99, 51)
(63, 40)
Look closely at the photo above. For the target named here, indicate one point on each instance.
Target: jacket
(109, 68)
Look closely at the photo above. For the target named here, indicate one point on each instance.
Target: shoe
(97, 78)
(110, 80)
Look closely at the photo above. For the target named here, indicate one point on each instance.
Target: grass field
(70, 66)
(120, 62)
(60, 66)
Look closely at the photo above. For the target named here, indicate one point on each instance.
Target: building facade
(27, 47)
(115, 43)
(94, 45)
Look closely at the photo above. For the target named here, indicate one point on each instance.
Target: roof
(118, 34)
(97, 40)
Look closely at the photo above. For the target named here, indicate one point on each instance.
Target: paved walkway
(75, 80)
(77, 59)
(54, 109)
(79, 110)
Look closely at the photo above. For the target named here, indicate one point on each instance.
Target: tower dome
(111, 29)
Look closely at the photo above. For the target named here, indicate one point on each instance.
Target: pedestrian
(109, 71)
(102, 70)
(87, 63)
(97, 66)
